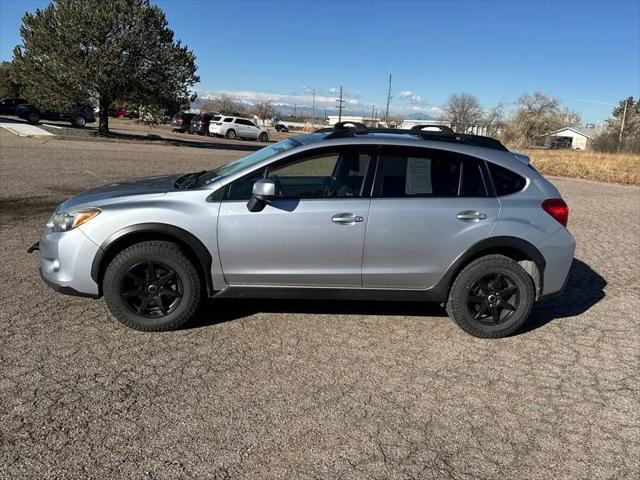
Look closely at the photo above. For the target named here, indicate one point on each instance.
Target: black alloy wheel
(151, 289)
(493, 299)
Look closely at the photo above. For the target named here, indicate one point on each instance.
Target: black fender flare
(489, 245)
(166, 231)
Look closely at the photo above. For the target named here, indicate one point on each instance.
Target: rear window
(216, 118)
(505, 181)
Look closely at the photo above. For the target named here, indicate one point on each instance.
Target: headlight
(63, 221)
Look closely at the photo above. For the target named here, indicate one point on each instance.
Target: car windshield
(246, 162)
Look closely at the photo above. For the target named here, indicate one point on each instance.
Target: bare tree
(463, 111)
(494, 119)
(536, 115)
(227, 105)
(264, 110)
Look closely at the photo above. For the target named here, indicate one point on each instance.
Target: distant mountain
(420, 116)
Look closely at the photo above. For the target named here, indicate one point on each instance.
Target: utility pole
(313, 115)
(624, 118)
(295, 106)
(373, 110)
(340, 104)
(386, 113)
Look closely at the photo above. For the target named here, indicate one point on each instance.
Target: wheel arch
(517, 249)
(124, 238)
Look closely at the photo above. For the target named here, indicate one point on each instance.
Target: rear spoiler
(524, 158)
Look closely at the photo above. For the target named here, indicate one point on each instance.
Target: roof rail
(442, 128)
(445, 134)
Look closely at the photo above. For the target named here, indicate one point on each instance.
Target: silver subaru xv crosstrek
(342, 213)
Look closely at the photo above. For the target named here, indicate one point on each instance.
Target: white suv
(232, 127)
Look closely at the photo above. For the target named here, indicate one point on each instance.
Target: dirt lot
(310, 390)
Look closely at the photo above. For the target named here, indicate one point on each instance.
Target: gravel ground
(310, 390)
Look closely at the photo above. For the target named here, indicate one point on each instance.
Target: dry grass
(604, 167)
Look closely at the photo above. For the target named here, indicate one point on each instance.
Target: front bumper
(65, 262)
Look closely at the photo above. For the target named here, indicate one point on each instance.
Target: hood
(121, 188)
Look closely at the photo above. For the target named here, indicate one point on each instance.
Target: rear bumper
(558, 251)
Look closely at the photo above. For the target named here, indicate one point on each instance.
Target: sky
(586, 53)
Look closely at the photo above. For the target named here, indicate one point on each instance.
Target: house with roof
(576, 138)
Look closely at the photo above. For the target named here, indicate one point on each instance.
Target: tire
(33, 117)
(231, 134)
(79, 121)
(263, 137)
(491, 284)
(127, 273)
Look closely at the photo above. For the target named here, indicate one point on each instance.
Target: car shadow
(584, 288)
(224, 310)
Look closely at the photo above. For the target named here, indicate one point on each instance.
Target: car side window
(406, 172)
(228, 120)
(338, 174)
(473, 183)
(505, 181)
(331, 174)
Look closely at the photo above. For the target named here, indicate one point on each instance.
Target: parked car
(8, 105)
(342, 213)
(181, 121)
(200, 124)
(78, 115)
(232, 127)
(281, 127)
(122, 112)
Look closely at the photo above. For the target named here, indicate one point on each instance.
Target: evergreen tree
(101, 50)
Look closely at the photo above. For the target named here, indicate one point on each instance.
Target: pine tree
(100, 51)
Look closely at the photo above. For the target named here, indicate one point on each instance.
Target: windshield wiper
(185, 181)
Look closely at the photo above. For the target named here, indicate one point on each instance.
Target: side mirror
(263, 191)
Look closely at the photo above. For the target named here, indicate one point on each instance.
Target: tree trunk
(105, 103)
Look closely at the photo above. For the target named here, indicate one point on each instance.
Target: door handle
(471, 216)
(346, 218)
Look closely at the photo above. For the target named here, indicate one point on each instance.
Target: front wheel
(263, 137)
(79, 121)
(152, 286)
(491, 297)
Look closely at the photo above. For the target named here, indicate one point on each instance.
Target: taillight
(557, 209)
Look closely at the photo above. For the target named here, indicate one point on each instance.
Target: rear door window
(472, 183)
(407, 172)
(228, 119)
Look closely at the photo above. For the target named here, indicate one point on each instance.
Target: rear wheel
(33, 117)
(231, 134)
(152, 286)
(491, 297)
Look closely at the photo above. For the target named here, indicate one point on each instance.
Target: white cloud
(410, 103)
(410, 96)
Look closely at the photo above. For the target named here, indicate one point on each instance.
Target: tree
(616, 137)
(493, 119)
(536, 115)
(77, 51)
(227, 105)
(264, 110)
(463, 111)
(8, 88)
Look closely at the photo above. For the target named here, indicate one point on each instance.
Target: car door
(252, 130)
(312, 234)
(241, 128)
(428, 207)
